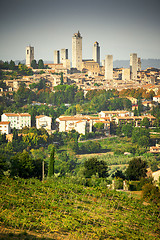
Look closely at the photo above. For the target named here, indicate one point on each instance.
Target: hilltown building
(17, 120)
(77, 51)
(43, 121)
(29, 55)
(82, 124)
(5, 128)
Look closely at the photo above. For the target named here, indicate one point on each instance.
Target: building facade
(77, 51)
(56, 57)
(109, 67)
(43, 121)
(96, 52)
(29, 55)
(125, 74)
(5, 128)
(133, 66)
(64, 54)
(17, 120)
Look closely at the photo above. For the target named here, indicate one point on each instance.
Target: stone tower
(64, 54)
(77, 51)
(56, 57)
(29, 55)
(133, 66)
(139, 64)
(109, 67)
(96, 52)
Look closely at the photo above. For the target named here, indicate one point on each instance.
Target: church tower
(77, 51)
(29, 55)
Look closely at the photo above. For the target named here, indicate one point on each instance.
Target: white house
(82, 124)
(44, 122)
(17, 120)
(156, 98)
(104, 114)
(79, 123)
(5, 127)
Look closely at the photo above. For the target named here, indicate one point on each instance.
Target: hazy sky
(120, 26)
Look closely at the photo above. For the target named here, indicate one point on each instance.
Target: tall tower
(64, 54)
(133, 66)
(56, 57)
(96, 52)
(29, 55)
(109, 67)
(139, 64)
(77, 51)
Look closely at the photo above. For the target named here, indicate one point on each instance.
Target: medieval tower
(29, 55)
(96, 52)
(77, 51)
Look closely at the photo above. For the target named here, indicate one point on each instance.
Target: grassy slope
(61, 209)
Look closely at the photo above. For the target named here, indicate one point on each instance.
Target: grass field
(63, 209)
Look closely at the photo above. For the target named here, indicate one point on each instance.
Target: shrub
(151, 192)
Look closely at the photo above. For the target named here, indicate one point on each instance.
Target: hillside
(64, 209)
(146, 63)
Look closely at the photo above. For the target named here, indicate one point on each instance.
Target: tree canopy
(137, 169)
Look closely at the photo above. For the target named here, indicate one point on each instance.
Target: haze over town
(121, 27)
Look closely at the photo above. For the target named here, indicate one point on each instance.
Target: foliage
(61, 207)
(93, 166)
(118, 174)
(136, 169)
(22, 165)
(40, 64)
(151, 192)
(89, 147)
(24, 70)
(138, 133)
(51, 163)
(145, 122)
(127, 130)
(34, 64)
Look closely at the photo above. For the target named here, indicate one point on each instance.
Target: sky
(120, 26)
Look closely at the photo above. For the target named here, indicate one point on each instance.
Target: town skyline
(120, 28)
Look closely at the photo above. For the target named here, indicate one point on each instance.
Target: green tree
(145, 122)
(127, 130)
(34, 64)
(143, 141)
(40, 64)
(93, 166)
(137, 133)
(22, 165)
(137, 169)
(51, 163)
(61, 78)
(12, 65)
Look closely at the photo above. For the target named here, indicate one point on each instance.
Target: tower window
(27, 51)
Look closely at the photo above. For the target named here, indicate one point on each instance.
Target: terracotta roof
(40, 116)
(4, 123)
(157, 96)
(17, 114)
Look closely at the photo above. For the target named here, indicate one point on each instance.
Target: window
(27, 51)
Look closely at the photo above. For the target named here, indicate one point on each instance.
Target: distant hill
(146, 63)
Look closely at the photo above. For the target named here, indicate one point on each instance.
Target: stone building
(64, 54)
(56, 57)
(125, 74)
(17, 120)
(29, 55)
(133, 66)
(77, 51)
(96, 52)
(43, 121)
(109, 67)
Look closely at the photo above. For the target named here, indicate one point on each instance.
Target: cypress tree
(51, 163)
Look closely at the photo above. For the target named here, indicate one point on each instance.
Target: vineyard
(61, 208)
